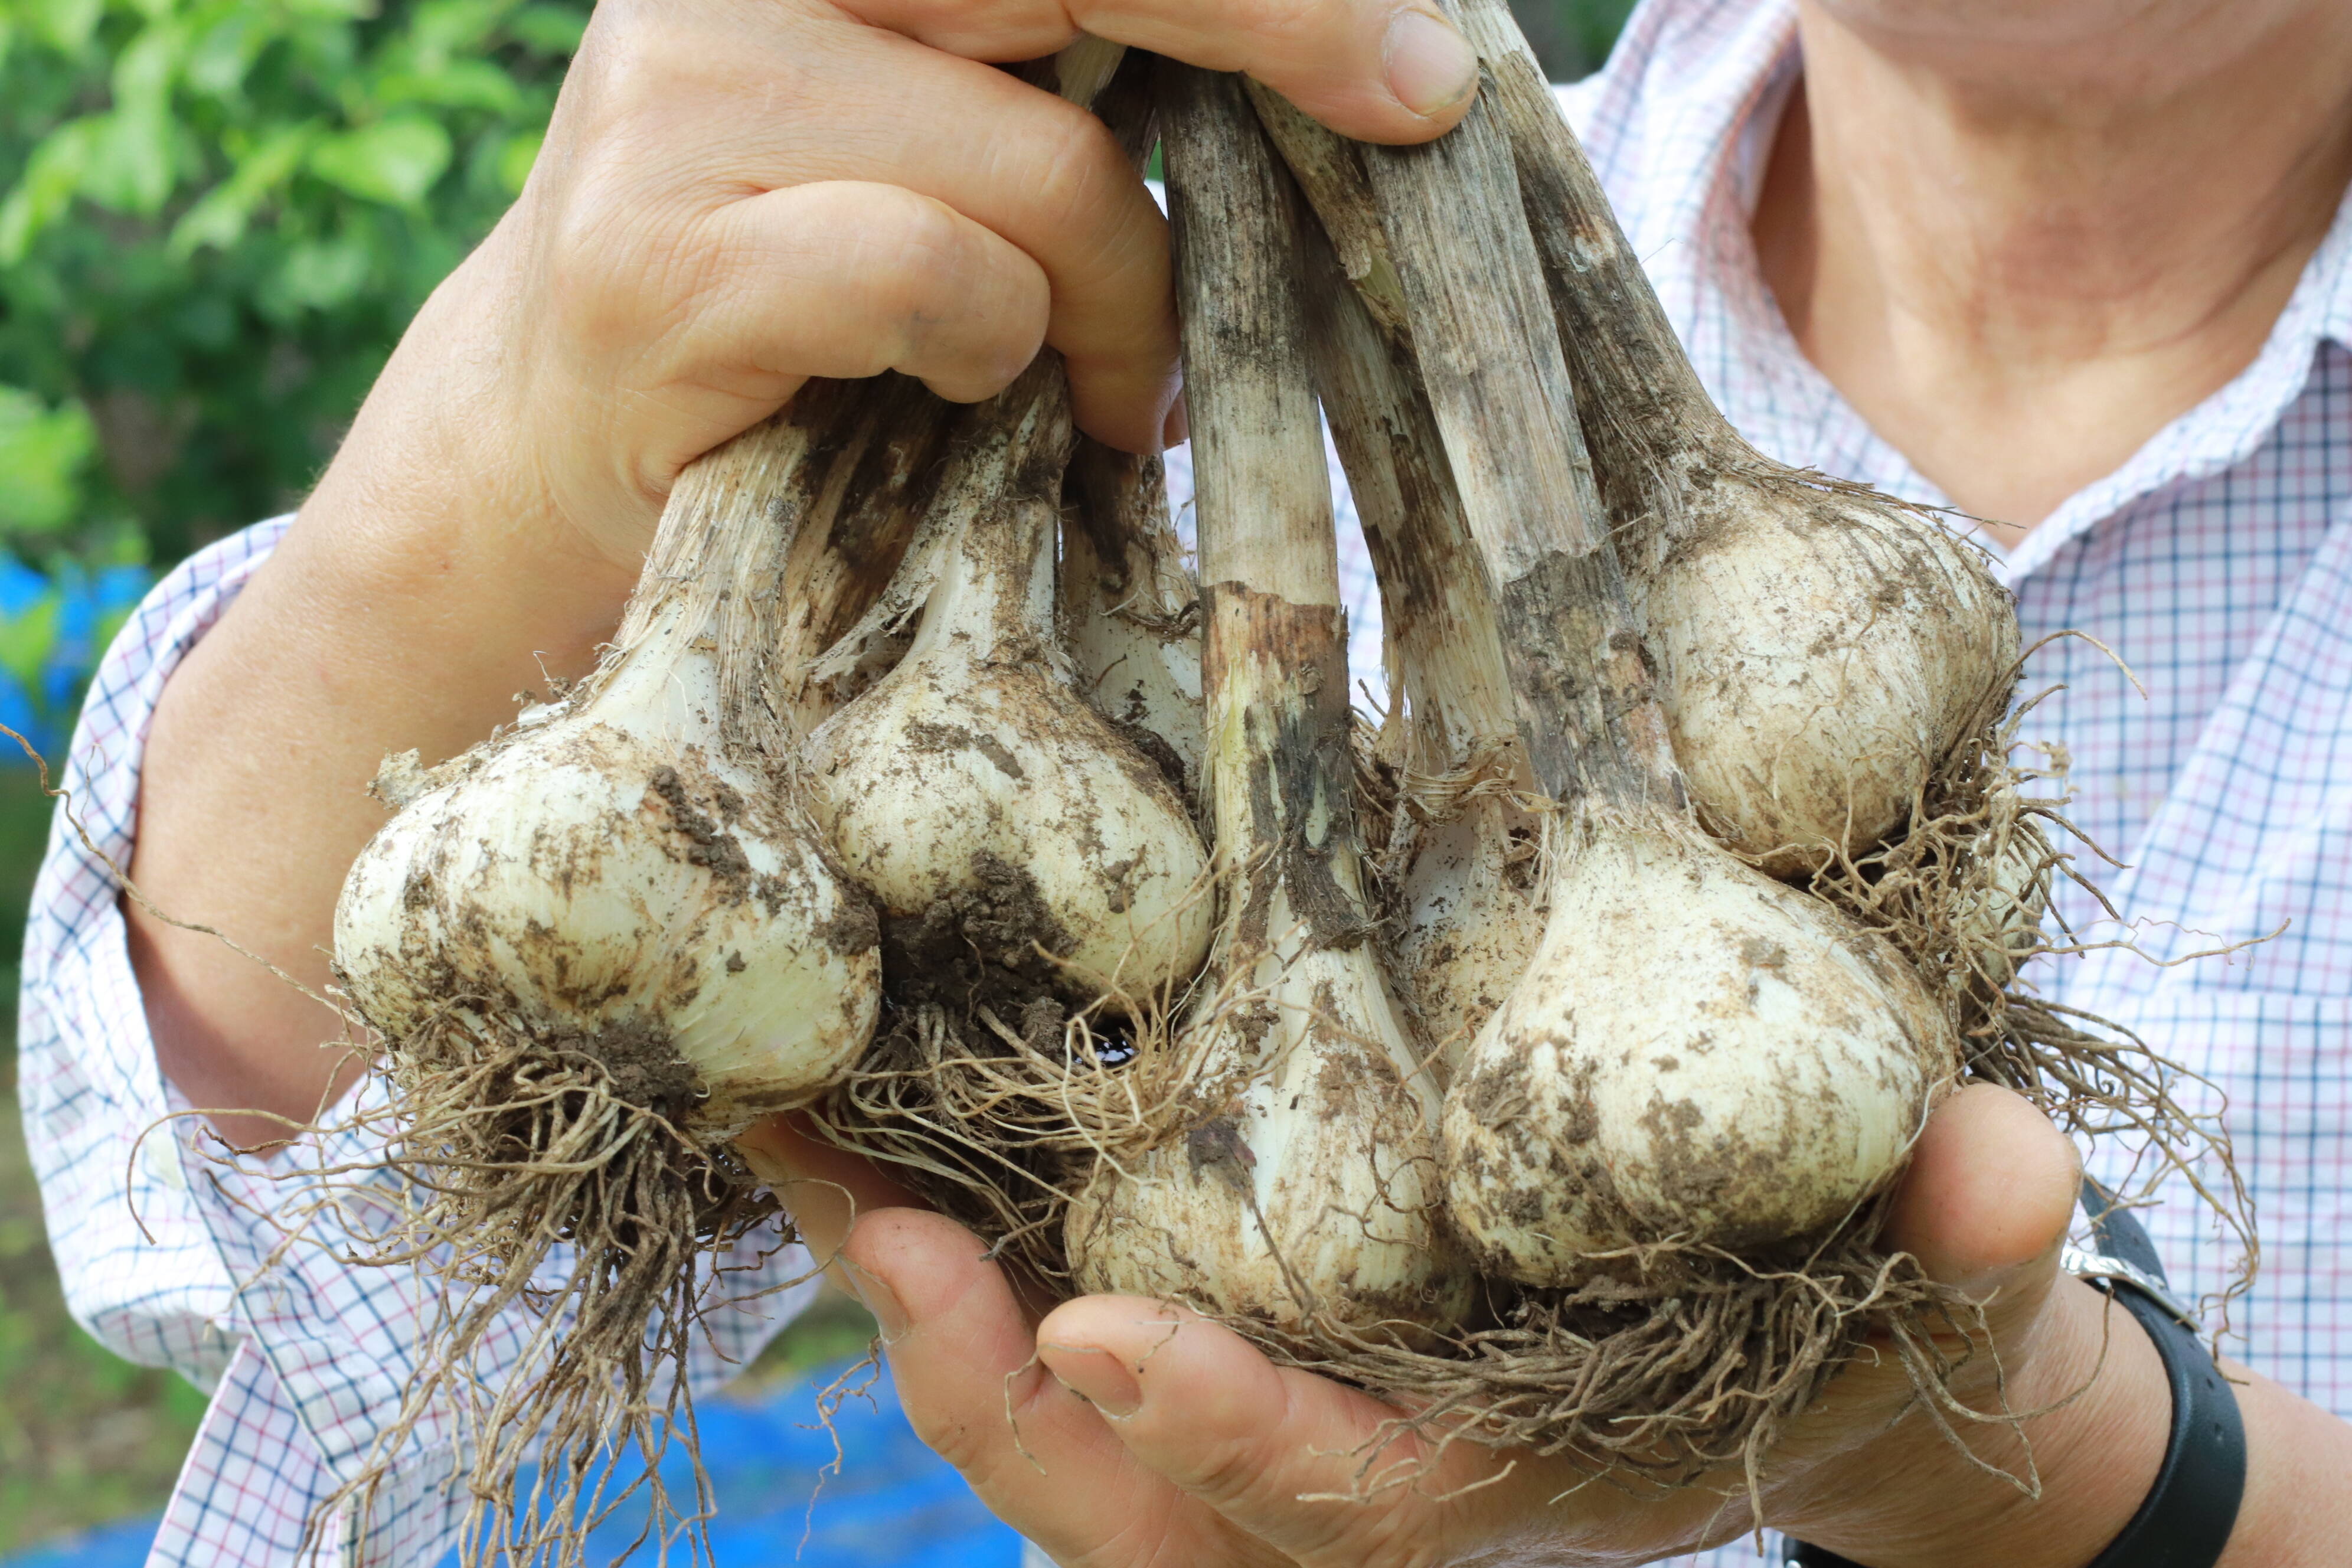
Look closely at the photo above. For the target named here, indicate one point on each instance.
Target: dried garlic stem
(1464, 850)
(1784, 1081)
(1303, 1195)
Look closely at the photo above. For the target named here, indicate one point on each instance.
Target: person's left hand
(1123, 1432)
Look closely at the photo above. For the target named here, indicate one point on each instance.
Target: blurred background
(215, 218)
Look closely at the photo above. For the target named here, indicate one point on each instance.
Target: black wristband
(2186, 1519)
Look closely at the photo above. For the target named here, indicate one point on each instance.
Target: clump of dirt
(707, 844)
(642, 1067)
(990, 945)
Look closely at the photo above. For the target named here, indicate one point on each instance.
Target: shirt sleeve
(232, 1273)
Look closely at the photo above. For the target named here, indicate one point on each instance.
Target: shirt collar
(1679, 119)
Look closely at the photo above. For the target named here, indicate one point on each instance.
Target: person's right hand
(735, 195)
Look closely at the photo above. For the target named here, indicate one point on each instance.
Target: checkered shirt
(2217, 562)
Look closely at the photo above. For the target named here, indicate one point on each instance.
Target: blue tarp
(892, 1503)
(89, 607)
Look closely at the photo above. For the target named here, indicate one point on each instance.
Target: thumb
(1989, 1197)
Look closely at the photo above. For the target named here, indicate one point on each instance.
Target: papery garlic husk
(1998, 918)
(1820, 655)
(1130, 608)
(1699, 1057)
(973, 790)
(606, 879)
(1470, 890)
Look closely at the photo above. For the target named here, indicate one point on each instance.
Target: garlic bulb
(971, 789)
(1304, 1192)
(1822, 654)
(618, 878)
(1698, 1055)
(1821, 648)
(621, 890)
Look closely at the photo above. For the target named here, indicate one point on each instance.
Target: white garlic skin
(1698, 1054)
(604, 873)
(1471, 920)
(1820, 656)
(975, 745)
(1315, 1188)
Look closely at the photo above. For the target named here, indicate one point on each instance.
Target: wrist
(435, 517)
(2098, 1419)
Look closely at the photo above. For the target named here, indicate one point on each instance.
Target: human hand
(1119, 1432)
(735, 196)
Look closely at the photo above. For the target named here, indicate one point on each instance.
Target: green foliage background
(215, 218)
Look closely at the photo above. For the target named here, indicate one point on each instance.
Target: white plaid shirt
(2217, 562)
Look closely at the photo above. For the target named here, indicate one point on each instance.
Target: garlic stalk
(1697, 1055)
(972, 794)
(1822, 649)
(1464, 851)
(1303, 1194)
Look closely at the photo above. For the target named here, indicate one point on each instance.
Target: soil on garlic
(991, 944)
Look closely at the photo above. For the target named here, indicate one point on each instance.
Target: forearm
(419, 590)
(2297, 1511)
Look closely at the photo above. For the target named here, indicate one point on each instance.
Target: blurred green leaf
(220, 216)
(459, 84)
(394, 160)
(551, 29)
(516, 158)
(51, 178)
(320, 276)
(224, 52)
(42, 456)
(66, 25)
(129, 165)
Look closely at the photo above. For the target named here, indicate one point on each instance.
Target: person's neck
(2020, 269)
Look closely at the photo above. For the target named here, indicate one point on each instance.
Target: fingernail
(1178, 429)
(879, 1300)
(1098, 1377)
(1431, 66)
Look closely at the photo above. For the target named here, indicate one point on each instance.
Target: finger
(809, 102)
(851, 280)
(1317, 1470)
(1042, 174)
(962, 1355)
(1379, 70)
(824, 1188)
(1984, 1207)
(1990, 1193)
